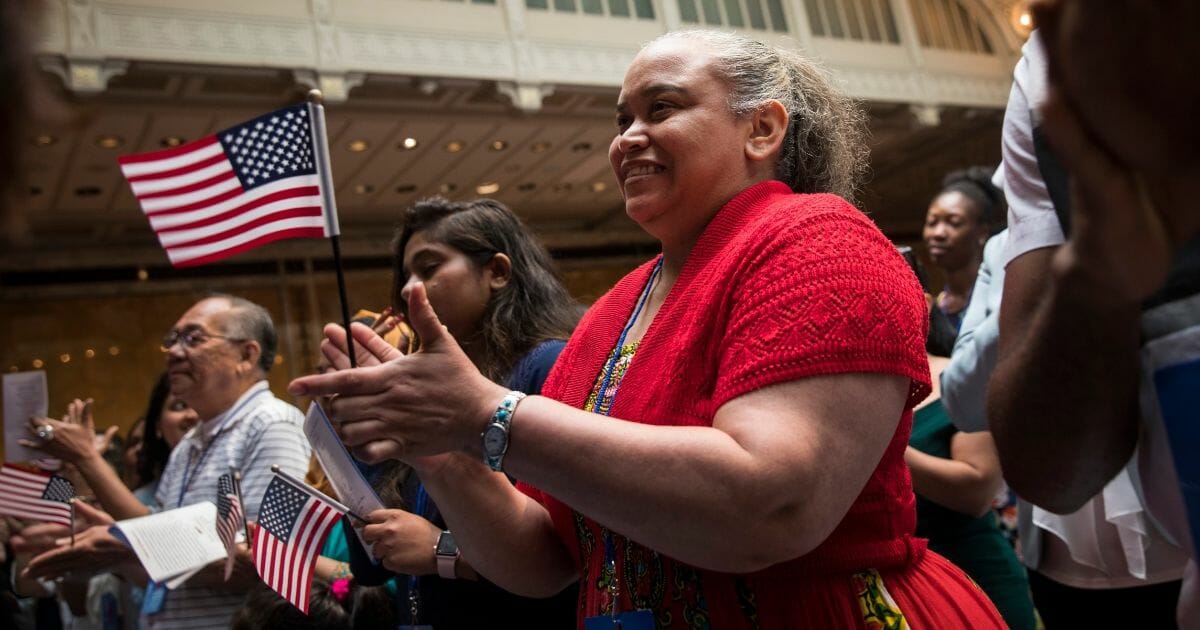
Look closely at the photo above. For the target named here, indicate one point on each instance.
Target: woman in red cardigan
(721, 442)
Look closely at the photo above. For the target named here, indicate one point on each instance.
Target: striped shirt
(257, 431)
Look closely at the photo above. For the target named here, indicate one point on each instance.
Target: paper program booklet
(351, 487)
(173, 545)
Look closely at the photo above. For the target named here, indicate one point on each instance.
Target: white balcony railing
(924, 51)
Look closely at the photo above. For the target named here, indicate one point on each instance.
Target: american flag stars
(271, 146)
(281, 509)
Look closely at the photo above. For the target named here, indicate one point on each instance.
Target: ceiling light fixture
(598, 187)
(406, 189)
(540, 147)
(448, 188)
(1021, 19)
(357, 146)
(409, 144)
(488, 188)
(110, 141)
(363, 189)
(498, 145)
(172, 141)
(581, 147)
(44, 140)
(454, 146)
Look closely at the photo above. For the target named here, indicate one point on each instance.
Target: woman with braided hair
(721, 442)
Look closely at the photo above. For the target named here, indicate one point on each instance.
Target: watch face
(495, 439)
(446, 545)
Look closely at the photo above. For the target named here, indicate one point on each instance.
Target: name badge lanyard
(190, 472)
(414, 581)
(610, 556)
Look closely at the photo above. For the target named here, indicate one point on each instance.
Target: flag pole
(332, 230)
(237, 490)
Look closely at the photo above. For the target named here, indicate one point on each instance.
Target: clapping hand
(71, 439)
(397, 406)
(95, 550)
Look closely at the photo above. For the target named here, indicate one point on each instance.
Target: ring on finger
(45, 432)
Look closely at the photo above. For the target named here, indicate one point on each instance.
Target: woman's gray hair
(825, 148)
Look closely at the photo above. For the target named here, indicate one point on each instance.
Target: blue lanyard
(612, 363)
(188, 470)
(610, 556)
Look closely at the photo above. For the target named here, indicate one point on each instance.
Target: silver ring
(45, 432)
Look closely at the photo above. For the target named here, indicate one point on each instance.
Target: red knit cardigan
(780, 286)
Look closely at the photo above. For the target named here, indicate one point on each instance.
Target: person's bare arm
(966, 482)
(1062, 403)
(773, 476)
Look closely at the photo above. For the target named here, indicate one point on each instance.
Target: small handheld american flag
(292, 526)
(35, 495)
(230, 518)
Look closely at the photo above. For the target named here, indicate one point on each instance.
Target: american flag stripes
(234, 190)
(35, 495)
(292, 526)
(229, 518)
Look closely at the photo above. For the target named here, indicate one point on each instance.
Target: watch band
(495, 436)
(447, 555)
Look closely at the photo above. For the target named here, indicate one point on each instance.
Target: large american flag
(35, 495)
(234, 190)
(229, 518)
(292, 526)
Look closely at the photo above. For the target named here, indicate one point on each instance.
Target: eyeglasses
(191, 338)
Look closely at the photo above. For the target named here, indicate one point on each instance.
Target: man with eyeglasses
(218, 356)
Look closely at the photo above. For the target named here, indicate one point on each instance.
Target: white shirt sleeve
(965, 379)
(1032, 222)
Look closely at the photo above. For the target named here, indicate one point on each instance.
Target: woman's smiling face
(679, 153)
